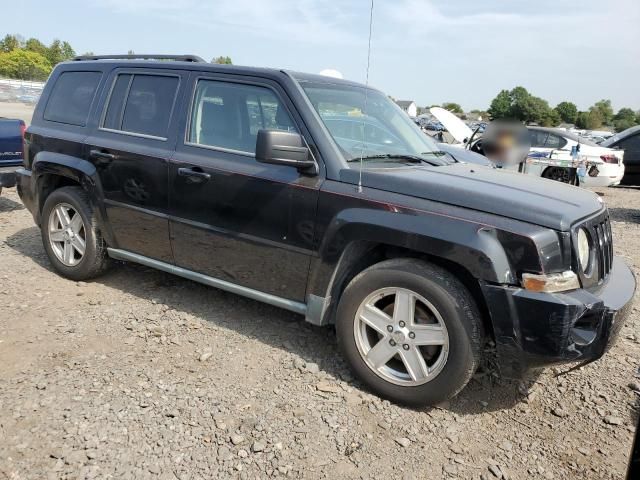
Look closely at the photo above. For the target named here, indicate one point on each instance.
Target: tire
(94, 261)
(451, 305)
(558, 174)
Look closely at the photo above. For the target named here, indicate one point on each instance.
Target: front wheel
(410, 330)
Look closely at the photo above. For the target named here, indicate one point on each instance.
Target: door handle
(194, 174)
(102, 157)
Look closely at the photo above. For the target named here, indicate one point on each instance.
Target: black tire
(456, 307)
(95, 260)
(559, 174)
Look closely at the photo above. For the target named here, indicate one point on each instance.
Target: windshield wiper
(393, 156)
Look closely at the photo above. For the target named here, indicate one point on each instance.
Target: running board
(290, 305)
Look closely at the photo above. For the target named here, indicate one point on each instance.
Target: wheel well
(49, 182)
(362, 254)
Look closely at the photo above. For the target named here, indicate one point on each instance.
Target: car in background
(11, 138)
(628, 141)
(553, 158)
(551, 153)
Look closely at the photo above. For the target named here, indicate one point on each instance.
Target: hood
(533, 200)
(456, 127)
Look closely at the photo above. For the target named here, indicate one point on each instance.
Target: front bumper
(534, 330)
(7, 177)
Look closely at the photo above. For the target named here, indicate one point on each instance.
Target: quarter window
(229, 115)
(71, 98)
(555, 141)
(141, 104)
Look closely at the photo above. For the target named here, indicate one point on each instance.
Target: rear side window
(141, 104)
(71, 98)
(555, 141)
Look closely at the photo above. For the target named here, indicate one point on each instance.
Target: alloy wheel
(67, 234)
(401, 336)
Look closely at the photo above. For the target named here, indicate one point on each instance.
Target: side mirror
(283, 148)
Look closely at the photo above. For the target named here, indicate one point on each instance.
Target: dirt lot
(140, 374)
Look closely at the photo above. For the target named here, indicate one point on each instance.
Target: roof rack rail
(179, 58)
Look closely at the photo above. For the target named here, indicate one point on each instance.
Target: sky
(429, 51)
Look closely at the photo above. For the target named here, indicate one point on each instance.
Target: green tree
(10, 43)
(624, 119)
(591, 120)
(604, 110)
(35, 45)
(500, 106)
(24, 65)
(519, 104)
(453, 107)
(567, 111)
(59, 51)
(222, 60)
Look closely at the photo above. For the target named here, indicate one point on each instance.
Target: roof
(191, 62)
(619, 136)
(404, 103)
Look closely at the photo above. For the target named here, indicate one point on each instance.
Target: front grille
(599, 228)
(604, 247)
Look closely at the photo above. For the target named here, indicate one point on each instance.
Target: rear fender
(50, 164)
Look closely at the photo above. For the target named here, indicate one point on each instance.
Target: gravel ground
(140, 374)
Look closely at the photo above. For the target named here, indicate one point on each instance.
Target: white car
(551, 157)
(551, 153)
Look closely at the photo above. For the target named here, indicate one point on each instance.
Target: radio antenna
(366, 91)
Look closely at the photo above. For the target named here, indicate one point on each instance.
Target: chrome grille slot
(599, 229)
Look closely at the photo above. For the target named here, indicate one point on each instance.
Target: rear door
(233, 218)
(130, 146)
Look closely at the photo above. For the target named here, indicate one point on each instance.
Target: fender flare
(473, 246)
(78, 170)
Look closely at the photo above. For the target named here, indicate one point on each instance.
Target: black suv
(245, 179)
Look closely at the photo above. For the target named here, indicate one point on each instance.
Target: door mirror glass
(283, 148)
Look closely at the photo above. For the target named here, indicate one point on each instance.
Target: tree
(519, 104)
(453, 107)
(59, 52)
(24, 65)
(501, 105)
(567, 111)
(605, 111)
(35, 45)
(591, 120)
(222, 60)
(10, 43)
(624, 119)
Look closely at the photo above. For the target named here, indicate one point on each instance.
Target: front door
(233, 218)
(130, 148)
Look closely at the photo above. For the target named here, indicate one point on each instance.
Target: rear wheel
(70, 235)
(558, 174)
(410, 330)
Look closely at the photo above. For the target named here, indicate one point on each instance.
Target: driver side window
(229, 115)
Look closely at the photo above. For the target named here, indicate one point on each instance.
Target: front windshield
(379, 131)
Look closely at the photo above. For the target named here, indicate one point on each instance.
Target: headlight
(584, 249)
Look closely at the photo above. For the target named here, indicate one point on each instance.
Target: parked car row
(555, 153)
(16, 93)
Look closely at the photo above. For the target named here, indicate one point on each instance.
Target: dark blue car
(11, 137)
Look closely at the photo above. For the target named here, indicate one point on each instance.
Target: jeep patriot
(322, 197)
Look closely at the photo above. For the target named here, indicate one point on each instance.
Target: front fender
(350, 241)
(474, 246)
